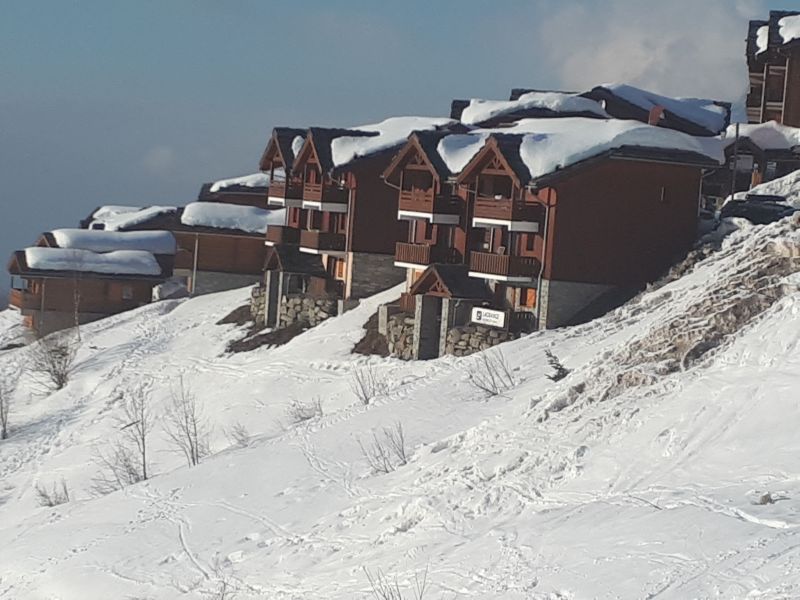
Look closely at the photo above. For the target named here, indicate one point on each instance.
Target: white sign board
(487, 316)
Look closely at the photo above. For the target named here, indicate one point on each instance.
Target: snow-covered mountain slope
(642, 474)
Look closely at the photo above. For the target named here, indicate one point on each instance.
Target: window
(529, 240)
(527, 298)
(127, 292)
(429, 230)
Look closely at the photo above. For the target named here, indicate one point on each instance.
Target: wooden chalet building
(773, 61)
(73, 276)
(526, 235)
(338, 242)
(248, 190)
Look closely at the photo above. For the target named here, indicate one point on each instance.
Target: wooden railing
(282, 234)
(506, 209)
(503, 264)
(280, 189)
(322, 240)
(425, 254)
(25, 300)
(424, 201)
(316, 192)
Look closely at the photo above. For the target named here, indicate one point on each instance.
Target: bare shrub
(367, 384)
(384, 588)
(380, 450)
(125, 461)
(559, 370)
(6, 391)
(238, 435)
(52, 359)
(299, 411)
(491, 373)
(58, 494)
(186, 426)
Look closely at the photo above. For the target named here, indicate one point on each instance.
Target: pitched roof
(531, 104)
(282, 140)
(455, 281)
(59, 263)
(290, 260)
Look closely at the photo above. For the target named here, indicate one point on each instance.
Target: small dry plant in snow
(384, 588)
(299, 411)
(186, 425)
(52, 359)
(58, 494)
(238, 435)
(385, 453)
(6, 391)
(367, 384)
(491, 374)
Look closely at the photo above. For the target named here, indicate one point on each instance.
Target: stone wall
(400, 335)
(301, 308)
(466, 339)
(258, 305)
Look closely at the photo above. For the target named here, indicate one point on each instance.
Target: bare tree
(53, 359)
(299, 411)
(491, 373)
(366, 384)
(559, 370)
(186, 426)
(379, 451)
(383, 588)
(6, 391)
(119, 468)
(136, 422)
(58, 494)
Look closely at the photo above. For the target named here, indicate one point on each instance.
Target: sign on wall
(488, 316)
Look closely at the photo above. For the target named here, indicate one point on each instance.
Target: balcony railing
(327, 194)
(505, 209)
(322, 240)
(504, 265)
(292, 190)
(282, 234)
(25, 300)
(424, 201)
(425, 254)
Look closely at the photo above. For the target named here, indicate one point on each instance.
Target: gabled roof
(282, 142)
(451, 281)
(424, 143)
(289, 259)
(255, 184)
(319, 141)
(59, 263)
(506, 147)
(694, 116)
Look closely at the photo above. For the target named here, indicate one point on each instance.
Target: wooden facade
(774, 71)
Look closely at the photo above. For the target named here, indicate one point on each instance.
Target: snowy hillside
(665, 465)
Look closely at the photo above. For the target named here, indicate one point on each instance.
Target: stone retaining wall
(467, 339)
(400, 335)
(300, 308)
(258, 304)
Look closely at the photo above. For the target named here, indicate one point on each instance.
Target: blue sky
(139, 102)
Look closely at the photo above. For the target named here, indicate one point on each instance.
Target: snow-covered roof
(767, 136)
(788, 28)
(98, 240)
(112, 210)
(551, 144)
(114, 221)
(297, 144)
(479, 111)
(217, 215)
(391, 132)
(252, 180)
(762, 39)
(120, 262)
(701, 111)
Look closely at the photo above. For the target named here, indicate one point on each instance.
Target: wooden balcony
(283, 193)
(425, 254)
(322, 241)
(25, 300)
(282, 234)
(425, 201)
(503, 266)
(325, 194)
(505, 209)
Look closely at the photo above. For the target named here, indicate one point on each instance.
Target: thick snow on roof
(762, 39)
(231, 216)
(297, 144)
(105, 212)
(120, 262)
(789, 28)
(99, 240)
(123, 220)
(787, 186)
(767, 136)
(391, 132)
(479, 111)
(252, 180)
(551, 144)
(697, 110)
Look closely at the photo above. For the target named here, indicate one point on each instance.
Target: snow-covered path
(638, 476)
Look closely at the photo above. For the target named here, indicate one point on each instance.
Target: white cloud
(159, 160)
(675, 47)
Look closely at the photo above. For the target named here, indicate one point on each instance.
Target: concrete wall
(372, 273)
(561, 301)
(58, 320)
